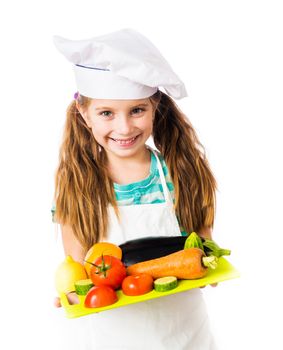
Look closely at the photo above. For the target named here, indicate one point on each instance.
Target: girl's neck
(128, 170)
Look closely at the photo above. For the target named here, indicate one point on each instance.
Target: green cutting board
(223, 272)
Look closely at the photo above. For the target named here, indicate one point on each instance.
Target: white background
(229, 54)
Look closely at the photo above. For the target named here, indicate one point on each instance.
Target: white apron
(173, 322)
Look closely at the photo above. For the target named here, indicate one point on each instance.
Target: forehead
(118, 104)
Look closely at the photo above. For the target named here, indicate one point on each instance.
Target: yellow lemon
(67, 273)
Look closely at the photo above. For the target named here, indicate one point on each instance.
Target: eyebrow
(132, 107)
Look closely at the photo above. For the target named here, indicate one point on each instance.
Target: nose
(124, 125)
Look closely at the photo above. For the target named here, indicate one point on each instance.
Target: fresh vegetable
(147, 248)
(207, 245)
(99, 296)
(67, 273)
(211, 248)
(193, 241)
(98, 249)
(164, 284)
(137, 285)
(185, 264)
(83, 286)
(108, 271)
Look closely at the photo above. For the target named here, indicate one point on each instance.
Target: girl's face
(121, 127)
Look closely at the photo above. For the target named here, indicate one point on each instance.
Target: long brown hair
(83, 189)
(194, 183)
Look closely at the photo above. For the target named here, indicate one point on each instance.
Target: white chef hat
(120, 65)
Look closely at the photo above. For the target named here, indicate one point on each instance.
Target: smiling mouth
(125, 141)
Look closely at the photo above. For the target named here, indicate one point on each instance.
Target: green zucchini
(212, 248)
(83, 286)
(164, 284)
(207, 245)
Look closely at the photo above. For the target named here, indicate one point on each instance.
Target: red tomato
(99, 296)
(108, 271)
(137, 285)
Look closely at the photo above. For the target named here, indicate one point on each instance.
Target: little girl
(111, 186)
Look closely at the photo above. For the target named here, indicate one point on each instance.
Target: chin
(125, 153)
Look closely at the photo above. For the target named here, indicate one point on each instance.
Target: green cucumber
(83, 286)
(164, 284)
(193, 241)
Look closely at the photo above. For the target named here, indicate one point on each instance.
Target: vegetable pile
(137, 267)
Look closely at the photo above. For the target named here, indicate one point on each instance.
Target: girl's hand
(72, 299)
(212, 285)
(57, 302)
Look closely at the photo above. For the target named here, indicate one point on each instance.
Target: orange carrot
(184, 264)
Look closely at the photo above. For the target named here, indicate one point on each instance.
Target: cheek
(145, 123)
(99, 129)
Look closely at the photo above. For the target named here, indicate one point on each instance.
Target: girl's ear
(83, 113)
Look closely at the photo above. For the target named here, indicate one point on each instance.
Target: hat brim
(103, 84)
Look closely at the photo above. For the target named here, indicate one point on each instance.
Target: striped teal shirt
(147, 191)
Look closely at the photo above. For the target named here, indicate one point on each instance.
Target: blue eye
(106, 113)
(137, 110)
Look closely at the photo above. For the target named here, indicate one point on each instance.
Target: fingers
(212, 285)
(72, 298)
(57, 302)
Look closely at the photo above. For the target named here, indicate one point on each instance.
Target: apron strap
(167, 194)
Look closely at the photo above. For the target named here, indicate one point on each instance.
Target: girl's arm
(71, 244)
(205, 232)
(71, 247)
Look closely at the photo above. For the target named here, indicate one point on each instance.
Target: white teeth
(125, 142)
